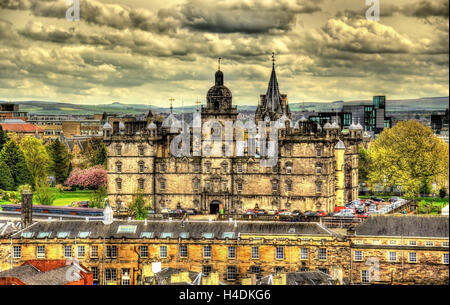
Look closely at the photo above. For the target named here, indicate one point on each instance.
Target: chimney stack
(27, 208)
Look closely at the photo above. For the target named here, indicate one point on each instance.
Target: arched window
(118, 166)
(141, 166)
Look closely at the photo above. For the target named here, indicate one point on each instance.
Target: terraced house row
(384, 249)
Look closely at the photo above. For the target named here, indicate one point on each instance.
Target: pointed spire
(273, 96)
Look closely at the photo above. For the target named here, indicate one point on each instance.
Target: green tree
(37, 158)
(137, 207)
(44, 194)
(425, 187)
(364, 164)
(61, 158)
(13, 157)
(3, 137)
(95, 152)
(97, 198)
(406, 155)
(6, 179)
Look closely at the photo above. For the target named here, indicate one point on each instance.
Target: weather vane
(171, 99)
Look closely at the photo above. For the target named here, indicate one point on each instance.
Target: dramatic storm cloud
(144, 51)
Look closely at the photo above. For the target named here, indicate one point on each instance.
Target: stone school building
(316, 168)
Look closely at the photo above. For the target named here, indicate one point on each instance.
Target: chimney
(27, 208)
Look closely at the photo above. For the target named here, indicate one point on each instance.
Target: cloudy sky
(145, 51)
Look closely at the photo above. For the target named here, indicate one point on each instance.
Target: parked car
(284, 212)
(250, 212)
(364, 215)
(83, 204)
(272, 212)
(261, 212)
(165, 211)
(191, 212)
(296, 213)
(320, 213)
(378, 199)
(345, 213)
(311, 214)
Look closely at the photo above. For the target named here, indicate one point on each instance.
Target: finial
(171, 99)
(219, 62)
(273, 58)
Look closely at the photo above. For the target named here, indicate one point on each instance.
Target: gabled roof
(20, 127)
(414, 226)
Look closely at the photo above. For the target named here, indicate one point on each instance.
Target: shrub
(97, 199)
(92, 178)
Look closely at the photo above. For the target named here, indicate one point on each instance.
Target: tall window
(318, 187)
(94, 251)
(141, 166)
(119, 184)
(141, 151)
(319, 151)
(206, 270)
(392, 256)
(358, 256)
(196, 167)
(67, 251)
(118, 150)
(207, 251)
(274, 185)
(239, 167)
(280, 253)
(365, 276)
(162, 184)
(232, 273)
(288, 168)
(40, 251)
(17, 251)
(141, 184)
(95, 277)
(274, 169)
(231, 252)
(224, 167)
(125, 276)
(163, 251)
(196, 184)
(81, 251)
(111, 251)
(119, 167)
(255, 252)
(162, 167)
(304, 253)
(239, 186)
(208, 167)
(111, 274)
(319, 168)
(256, 270)
(183, 251)
(144, 251)
(445, 258)
(322, 254)
(289, 185)
(412, 257)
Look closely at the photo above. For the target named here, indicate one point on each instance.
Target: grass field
(63, 197)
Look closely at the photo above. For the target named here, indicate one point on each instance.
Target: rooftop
(417, 226)
(166, 229)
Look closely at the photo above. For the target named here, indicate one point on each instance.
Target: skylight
(43, 234)
(147, 235)
(127, 229)
(166, 234)
(228, 234)
(83, 234)
(27, 234)
(62, 234)
(184, 234)
(208, 235)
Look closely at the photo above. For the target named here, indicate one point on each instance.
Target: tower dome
(107, 126)
(219, 97)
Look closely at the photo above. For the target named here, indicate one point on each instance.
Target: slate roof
(417, 226)
(195, 229)
(7, 228)
(30, 275)
(303, 278)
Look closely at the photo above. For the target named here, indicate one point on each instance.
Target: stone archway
(214, 207)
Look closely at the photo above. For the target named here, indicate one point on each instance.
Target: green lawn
(63, 197)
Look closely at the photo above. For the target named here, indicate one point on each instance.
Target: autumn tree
(61, 158)
(408, 155)
(13, 157)
(37, 158)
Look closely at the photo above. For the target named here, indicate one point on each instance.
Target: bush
(44, 195)
(97, 199)
(442, 192)
(93, 178)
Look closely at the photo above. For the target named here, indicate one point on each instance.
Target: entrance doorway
(214, 207)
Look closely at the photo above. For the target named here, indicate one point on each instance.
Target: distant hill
(54, 107)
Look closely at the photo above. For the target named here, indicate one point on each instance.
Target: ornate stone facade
(316, 169)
